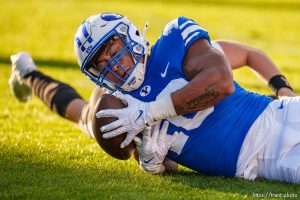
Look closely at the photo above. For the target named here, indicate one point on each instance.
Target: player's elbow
(227, 88)
(226, 84)
(225, 79)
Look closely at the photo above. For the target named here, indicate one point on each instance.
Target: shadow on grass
(44, 62)
(279, 5)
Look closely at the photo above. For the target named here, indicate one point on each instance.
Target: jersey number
(181, 121)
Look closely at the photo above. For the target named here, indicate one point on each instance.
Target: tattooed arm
(210, 79)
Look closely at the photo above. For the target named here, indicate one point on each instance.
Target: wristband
(277, 82)
(162, 108)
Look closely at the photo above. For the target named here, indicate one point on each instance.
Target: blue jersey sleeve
(185, 31)
(191, 32)
(173, 45)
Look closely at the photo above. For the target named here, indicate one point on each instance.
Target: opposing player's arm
(210, 78)
(240, 55)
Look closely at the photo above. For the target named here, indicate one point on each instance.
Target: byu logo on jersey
(145, 90)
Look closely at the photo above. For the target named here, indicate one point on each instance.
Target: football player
(211, 124)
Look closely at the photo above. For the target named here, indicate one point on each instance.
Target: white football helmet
(95, 32)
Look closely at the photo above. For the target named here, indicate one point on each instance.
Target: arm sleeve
(191, 32)
(178, 35)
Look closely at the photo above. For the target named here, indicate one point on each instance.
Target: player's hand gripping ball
(112, 145)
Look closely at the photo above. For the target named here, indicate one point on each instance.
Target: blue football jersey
(209, 140)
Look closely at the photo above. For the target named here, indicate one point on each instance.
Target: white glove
(135, 117)
(154, 147)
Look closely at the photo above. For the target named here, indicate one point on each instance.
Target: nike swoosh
(141, 112)
(281, 105)
(165, 72)
(147, 161)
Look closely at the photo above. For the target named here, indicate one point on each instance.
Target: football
(112, 145)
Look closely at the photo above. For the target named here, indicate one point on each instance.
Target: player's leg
(85, 122)
(280, 158)
(59, 97)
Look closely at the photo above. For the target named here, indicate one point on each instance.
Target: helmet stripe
(84, 31)
(90, 40)
(78, 42)
(83, 48)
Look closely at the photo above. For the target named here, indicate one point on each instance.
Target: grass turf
(45, 157)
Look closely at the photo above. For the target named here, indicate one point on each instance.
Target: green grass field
(43, 156)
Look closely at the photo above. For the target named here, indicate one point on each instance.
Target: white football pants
(271, 148)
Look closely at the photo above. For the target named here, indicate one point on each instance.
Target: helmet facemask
(105, 76)
(134, 45)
